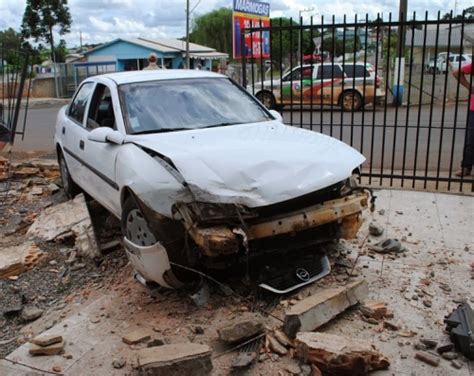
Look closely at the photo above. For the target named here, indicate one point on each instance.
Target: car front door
(295, 84)
(99, 157)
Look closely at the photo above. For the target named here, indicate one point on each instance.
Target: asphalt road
(435, 146)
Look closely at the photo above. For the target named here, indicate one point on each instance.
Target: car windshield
(171, 105)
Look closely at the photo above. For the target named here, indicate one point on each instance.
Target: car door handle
(64, 130)
(81, 145)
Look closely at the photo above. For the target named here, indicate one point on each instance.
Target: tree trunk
(51, 42)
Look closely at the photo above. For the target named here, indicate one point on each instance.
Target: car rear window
(329, 71)
(359, 70)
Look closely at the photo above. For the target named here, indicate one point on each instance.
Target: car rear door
(328, 84)
(73, 133)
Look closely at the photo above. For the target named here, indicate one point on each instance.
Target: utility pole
(188, 65)
(300, 21)
(399, 73)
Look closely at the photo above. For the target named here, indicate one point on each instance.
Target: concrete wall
(43, 88)
(7, 89)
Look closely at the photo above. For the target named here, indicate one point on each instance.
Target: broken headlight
(204, 212)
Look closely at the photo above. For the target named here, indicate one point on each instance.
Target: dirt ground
(94, 302)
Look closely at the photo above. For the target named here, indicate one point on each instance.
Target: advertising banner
(251, 14)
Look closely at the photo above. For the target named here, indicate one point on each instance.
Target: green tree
(337, 46)
(214, 30)
(285, 42)
(42, 16)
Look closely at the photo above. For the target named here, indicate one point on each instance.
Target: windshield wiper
(162, 130)
(221, 125)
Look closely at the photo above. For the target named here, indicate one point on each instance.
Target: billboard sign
(251, 14)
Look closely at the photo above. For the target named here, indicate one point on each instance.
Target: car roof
(153, 75)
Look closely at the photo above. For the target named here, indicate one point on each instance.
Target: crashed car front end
(223, 229)
(223, 182)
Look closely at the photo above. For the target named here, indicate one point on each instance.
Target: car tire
(169, 233)
(70, 188)
(351, 100)
(267, 99)
(135, 226)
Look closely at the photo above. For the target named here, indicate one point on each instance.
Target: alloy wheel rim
(137, 230)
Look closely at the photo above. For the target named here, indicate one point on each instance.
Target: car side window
(294, 75)
(360, 71)
(78, 105)
(101, 110)
(329, 71)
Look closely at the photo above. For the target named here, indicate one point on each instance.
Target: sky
(104, 20)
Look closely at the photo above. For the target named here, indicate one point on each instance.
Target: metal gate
(15, 85)
(385, 87)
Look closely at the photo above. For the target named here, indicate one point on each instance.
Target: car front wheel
(267, 99)
(135, 226)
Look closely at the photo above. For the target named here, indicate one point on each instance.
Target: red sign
(256, 44)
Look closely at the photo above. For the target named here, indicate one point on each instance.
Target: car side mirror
(276, 115)
(105, 134)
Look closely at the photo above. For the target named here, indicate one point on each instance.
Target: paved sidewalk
(437, 229)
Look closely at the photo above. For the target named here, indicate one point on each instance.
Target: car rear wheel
(71, 189)
(351, 100)
(267, 99)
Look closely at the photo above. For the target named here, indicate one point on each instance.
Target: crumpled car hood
(254, 164)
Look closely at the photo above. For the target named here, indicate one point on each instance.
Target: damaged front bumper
(221, 240)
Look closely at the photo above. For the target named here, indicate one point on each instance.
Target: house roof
(178, 44)
(166, 45)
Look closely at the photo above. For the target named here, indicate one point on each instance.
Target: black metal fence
(15, 85)
(385, 87)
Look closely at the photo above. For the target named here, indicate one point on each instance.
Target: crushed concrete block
(429, 343)
(137, 336)
(46, 339)
(36, 191)
(31, 313)
(456, 364)
(53, 349)
(428, 358)
(283, 338)
(180, 359)
(246, 326)
(339, 355)
(375, 229)
(316, 310)
(68, 218)
(449, 355)
(445, 348)
(244, 360)
(375, 310)
(119, 363)
(293, 369)
(12, 260)
(275, 346)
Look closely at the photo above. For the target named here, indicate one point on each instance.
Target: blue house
(125, 54)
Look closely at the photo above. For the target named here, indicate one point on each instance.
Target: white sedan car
(203, 176)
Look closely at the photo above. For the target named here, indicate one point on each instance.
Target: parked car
(454, 61)
(350, 86)
(202, 175)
